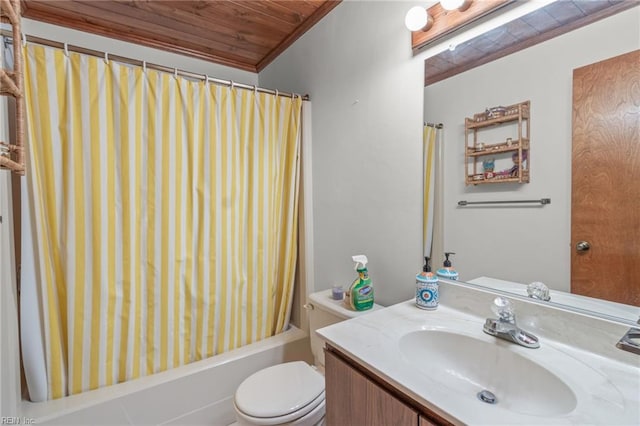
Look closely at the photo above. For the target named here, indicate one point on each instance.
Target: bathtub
(200, 393)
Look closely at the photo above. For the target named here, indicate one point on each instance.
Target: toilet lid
(279, 390)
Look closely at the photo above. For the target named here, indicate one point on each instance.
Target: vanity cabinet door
(353, 399)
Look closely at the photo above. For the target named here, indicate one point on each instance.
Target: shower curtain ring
(175, 73)
(144, 66)
(24, 39)
(106, 57)
(66, 49)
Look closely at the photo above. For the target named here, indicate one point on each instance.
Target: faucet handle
(538, 290)
(503, 309)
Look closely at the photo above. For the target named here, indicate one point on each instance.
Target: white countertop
(607, 390)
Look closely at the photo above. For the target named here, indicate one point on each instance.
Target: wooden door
(605, 210)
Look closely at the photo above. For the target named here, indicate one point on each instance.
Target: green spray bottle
(361, 290)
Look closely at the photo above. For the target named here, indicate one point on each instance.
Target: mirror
(509, 246)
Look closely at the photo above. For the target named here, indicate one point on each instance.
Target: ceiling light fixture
(418, 19)
(460, 5)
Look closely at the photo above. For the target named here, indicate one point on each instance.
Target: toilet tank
(324, 311)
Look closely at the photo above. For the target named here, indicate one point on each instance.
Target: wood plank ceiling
(244, 34)
(545, 23)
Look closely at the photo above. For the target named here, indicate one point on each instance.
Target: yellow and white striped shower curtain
(429, 180)
(164, 212)
(433, 196)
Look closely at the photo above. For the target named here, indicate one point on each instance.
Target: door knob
(583, 246)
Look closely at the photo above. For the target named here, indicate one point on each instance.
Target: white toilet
(293, 393)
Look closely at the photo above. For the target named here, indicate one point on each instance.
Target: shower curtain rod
(70, 48)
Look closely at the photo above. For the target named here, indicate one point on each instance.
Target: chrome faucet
(504, 327)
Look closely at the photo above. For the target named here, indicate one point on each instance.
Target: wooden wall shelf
(11, 84)
(517, 115)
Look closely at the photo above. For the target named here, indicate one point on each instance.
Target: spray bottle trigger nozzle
(360, 259)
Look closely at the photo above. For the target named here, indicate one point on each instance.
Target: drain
(487, 396)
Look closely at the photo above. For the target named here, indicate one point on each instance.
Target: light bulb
(416, 18)
(451, 4)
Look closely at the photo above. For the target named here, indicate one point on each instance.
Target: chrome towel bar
(540, 201)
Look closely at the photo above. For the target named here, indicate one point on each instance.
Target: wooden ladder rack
(11, 84)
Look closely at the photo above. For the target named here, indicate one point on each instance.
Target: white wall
(9, 356)
(366, 92)
(10, 350)
(522, 244)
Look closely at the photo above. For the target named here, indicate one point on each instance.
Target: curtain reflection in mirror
(432, 225)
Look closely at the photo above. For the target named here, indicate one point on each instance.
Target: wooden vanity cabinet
(356, 396)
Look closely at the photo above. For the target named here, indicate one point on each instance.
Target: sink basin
(469, 366)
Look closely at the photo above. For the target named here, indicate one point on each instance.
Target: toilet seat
(281, 394)
(312, 414)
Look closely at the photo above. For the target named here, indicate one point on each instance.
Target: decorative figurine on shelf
(488, 166)
(513, 171)
(495, 112)
(516, 163)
